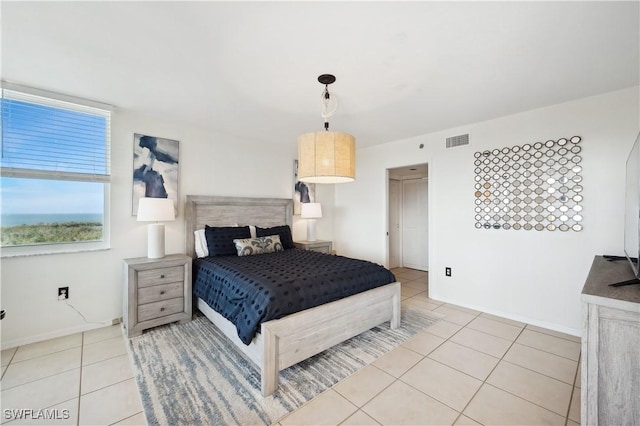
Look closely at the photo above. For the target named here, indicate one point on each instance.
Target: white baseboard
(57, 333)
(555, 327)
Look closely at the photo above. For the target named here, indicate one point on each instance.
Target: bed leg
(269, 371)
(396, 308)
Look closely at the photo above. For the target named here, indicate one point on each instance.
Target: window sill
(10, 252)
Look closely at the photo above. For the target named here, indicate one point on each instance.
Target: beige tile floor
(82, 379)
(469, 368)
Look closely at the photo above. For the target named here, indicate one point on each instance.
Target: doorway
(408, 242)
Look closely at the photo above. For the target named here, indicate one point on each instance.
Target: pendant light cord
(326, 113)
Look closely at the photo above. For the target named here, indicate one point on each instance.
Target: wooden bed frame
(294, 338)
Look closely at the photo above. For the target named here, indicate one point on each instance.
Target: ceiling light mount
(327, 79)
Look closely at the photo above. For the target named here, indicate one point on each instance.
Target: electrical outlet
(63, 293)
(447, 271)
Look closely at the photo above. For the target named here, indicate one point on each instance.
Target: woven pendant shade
(326, 157)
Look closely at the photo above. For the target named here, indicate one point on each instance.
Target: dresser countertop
(597, 290)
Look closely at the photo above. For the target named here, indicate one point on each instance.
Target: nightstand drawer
(160, 309)
(321, 246)
(160, 276)
(157, 293)
(323, 249)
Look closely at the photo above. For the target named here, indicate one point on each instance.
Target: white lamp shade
(311, 211)
(155, 210)
(326, 157)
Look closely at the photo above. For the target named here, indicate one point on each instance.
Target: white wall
(530, 276)
(210, 164)
(324, 226)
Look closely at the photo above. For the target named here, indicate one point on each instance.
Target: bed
(294, 337)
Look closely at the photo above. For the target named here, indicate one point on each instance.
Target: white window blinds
(51, 138)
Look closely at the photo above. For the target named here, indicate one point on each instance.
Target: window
(54, 173)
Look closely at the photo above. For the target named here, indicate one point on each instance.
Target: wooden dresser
(610, 346)
(156, 292)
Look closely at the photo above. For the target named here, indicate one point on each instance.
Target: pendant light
(326, 156)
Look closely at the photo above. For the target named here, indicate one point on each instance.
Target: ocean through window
(54, 173)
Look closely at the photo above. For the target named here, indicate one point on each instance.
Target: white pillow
(201, 243)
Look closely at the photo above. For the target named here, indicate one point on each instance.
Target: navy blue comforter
(249, 290)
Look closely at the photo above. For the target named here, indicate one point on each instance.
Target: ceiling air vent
(459, 140)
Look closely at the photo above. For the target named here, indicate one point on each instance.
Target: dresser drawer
(156, 293)
(160, 276)
(160, 309)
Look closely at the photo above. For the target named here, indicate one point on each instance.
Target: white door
(415, 224)
(394, 223)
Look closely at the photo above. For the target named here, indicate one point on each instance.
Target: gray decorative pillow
(260, 245)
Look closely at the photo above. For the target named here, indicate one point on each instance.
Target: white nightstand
(156, 292)
(317, 245)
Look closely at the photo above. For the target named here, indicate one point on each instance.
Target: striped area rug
(190, 374)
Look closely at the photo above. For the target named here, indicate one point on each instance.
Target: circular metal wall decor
(544, 177)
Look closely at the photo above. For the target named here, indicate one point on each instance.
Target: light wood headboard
(209, 210)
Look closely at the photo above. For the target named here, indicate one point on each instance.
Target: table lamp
(155, 210)
(311, 212)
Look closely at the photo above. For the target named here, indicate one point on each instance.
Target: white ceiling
(250, 69)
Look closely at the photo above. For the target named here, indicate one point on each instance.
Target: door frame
(429, 164)
(399, 231)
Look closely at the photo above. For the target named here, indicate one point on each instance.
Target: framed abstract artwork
(302, 192)
(155, 169)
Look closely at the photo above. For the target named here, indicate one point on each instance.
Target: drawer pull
(162, 276)
(162, 292)
(161, 309)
